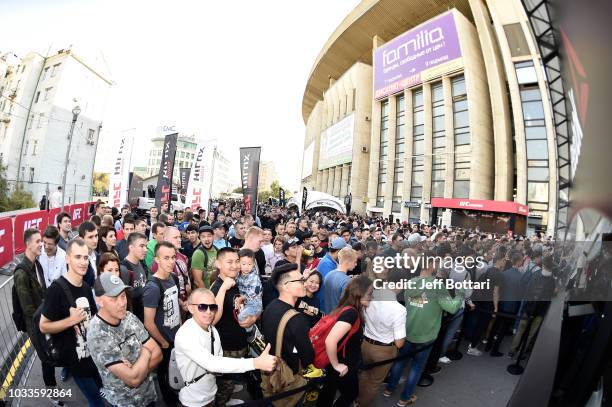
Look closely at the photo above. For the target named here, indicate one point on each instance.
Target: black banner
(163, 193)
(249, 175)
(135, 190)
(184, 174)
(281, 197)
(304, 199)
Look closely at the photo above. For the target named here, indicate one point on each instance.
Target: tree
(272, 192)
(19, 199)
(100, 183)
(237, 190)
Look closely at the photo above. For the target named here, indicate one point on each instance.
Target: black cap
(218, 225)
(205, 229)
(291, 242)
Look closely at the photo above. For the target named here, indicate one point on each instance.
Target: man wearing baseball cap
(203, 258)
(121, 347)
(328, 263)
(219, 240)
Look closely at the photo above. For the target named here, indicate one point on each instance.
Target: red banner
(6, 241)
(53, 215)
(480, 205)
(77, 213)
(37, 220)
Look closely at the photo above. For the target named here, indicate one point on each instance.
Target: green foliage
(100, 183)
(273, 192)
(19, 199)
(237, 190)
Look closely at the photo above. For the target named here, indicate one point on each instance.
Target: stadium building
(438, 113)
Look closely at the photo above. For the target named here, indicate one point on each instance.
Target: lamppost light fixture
(76, 110)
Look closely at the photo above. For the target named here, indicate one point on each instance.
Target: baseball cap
(205, 229)
(415, 237)
(291, 242)
(218, 225)
(109, 284)
(337, 244)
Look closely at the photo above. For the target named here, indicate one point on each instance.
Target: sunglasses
(301, 280)
(206, 307)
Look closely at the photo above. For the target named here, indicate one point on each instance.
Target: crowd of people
(193, 306)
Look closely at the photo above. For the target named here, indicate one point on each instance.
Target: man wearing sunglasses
(121, 347)
(199, 354)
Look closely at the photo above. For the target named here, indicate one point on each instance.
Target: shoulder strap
(62, 283)
(200, 247)
(160, 287)
(280, 332)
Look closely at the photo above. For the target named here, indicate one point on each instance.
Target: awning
(317, 199)
(480, 205)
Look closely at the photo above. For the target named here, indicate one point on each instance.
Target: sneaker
(444, 360)
(237, 388)
(435, 370)
(234, 402)
(312, 372)
(473, 351)
(484, 341)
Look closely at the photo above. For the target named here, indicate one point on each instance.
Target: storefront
(488, 216)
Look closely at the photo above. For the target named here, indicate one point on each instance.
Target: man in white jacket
(199, 354)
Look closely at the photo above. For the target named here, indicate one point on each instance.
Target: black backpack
(18, 317)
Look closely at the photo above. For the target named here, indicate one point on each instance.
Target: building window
(461, 185)
(418, 149)
(354, 100)
(516, 40)
(30, 121)
(384, 151)
(400, 148)
(23, 68)
(45, 72)
(40, 119)
(31, 175)
(25, 150)
(54, 70)
(525, 73)
(37, 97)
(47, 92)
(22, 173)
(34, 147)
(438, 141)
(90, 136)
(461, 121)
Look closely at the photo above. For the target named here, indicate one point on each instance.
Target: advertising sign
(399, 63)
(480, 205)
(37, 220)
(166, 169)
(200, 177)
(77, 213)
(6, 241)
(119, 177)
(249, 175)
(52, 215)
(337, 144)
(184, 178)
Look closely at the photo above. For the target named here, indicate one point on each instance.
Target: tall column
(337, 180)
(390, 154)
(344, 181)
(324, 177)
(319, 182)
(374, 154)
(449, 177)
(409, 131)
(428, 151)
(330, 181)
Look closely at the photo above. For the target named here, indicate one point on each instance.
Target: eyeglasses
(206, 307)
(301, 280)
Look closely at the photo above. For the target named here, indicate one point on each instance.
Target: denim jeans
(90, 387)
(416, 367)
(452, 327)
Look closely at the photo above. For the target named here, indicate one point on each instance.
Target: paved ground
(471, 381)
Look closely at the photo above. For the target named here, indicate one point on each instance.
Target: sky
(230, 70)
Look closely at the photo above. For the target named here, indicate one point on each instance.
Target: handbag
(282, 378)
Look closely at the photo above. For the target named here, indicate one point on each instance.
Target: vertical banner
(249, 175)
(6, 241)
(184, 175)
(200, 177)
(166, 168)
(304, 198)
(281, 197)
(120, 174)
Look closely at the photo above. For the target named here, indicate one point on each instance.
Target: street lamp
(76, 111)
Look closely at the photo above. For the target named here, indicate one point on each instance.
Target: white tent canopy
(316, 200)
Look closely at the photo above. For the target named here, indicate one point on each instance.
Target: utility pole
(75, 114)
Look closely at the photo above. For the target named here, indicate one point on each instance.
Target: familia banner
(200, 177)
(249, 175)
(400, 63)
(163, 193)
(120, 174)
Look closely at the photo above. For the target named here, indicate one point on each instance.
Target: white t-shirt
(54, 266)
(385, 318)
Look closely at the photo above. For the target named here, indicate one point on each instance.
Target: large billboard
(307, 160)
(399, 64)
(337, 143)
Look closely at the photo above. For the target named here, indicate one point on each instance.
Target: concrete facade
(502, 148)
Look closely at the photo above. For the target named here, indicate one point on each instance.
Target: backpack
(175, 378)
(46, 346)
(130, 268)
(319, 332)
(18, 317)
(201, 248)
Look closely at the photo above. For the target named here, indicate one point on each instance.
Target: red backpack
(319, 332)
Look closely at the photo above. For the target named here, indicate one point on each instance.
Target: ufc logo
(32, 223)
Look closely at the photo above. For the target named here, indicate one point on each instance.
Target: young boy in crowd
(249, 284)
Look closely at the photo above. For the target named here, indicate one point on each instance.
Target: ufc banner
(249, 175)
(166, 169)
(6, 240)
(119, 177)
(37, 220)
(77, 213)
(184, 176)
(200, 177)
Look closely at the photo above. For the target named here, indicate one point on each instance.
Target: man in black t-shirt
(290, 284)
(67, 320)
(233, 334)
(237, 241)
